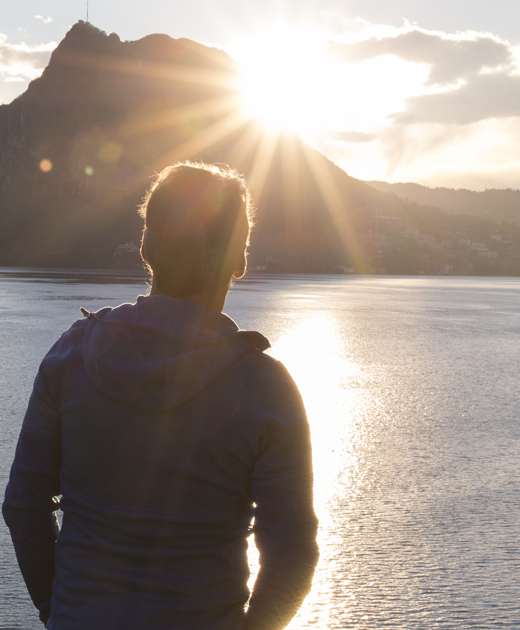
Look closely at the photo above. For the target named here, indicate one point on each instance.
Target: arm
(285, 524)
(30, 505)
(285, 534)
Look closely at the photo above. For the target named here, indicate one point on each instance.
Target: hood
(160, 352)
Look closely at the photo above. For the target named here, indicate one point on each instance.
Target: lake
(411, 387)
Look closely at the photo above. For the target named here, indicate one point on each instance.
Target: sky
(404, 91)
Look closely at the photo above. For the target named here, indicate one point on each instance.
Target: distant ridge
(492, 204)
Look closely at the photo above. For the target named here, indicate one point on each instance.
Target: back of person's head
(197, 223)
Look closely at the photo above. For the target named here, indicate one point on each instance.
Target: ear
(238, 273)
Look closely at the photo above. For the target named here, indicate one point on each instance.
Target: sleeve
(285, 525)
(30, 504)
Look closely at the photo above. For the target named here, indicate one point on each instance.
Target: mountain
(493, 204)
(102, 114)
(79, 146)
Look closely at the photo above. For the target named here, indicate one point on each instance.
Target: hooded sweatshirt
(165, 429)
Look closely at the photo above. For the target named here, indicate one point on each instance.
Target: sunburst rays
(211, 118)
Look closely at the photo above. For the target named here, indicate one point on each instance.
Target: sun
(282, 79)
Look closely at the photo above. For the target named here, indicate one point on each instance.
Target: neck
(212, 301)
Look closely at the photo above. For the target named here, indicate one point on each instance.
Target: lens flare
(110, 152)
(45, 166)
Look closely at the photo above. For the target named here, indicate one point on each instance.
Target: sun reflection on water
(315, 350)
(309, 351)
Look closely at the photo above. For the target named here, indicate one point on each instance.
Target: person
(165, 429)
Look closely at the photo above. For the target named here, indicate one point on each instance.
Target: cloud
(471, 76)
(450, 57)
(404, 146)
(349, 136)
(23, 61)
(482, 97)
(476, 156)
(45, 20)
(447, 105)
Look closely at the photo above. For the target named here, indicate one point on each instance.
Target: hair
(198, 219)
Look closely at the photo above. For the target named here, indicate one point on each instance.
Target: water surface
(411, 388)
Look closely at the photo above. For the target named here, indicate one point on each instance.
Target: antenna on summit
(87, 12)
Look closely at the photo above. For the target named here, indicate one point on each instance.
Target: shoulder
(57, 365)
(51, 385)
(64, 346)
(271, 423)
(270, 398)
(275, 378)
(262, 374)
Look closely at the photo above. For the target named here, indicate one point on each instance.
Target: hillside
(493, 204)
(78, 149)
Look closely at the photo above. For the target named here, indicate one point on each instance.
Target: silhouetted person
(165, 429)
